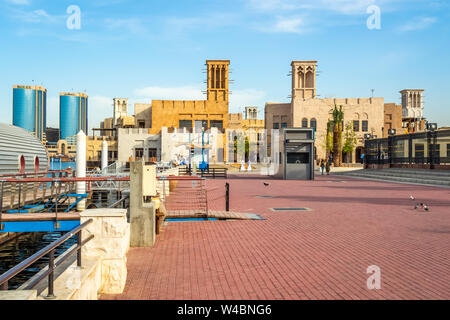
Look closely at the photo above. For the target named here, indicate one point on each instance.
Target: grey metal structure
(298, 154)
(21, 151)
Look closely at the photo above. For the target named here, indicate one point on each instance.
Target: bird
(426, 208)
(266, 184)
(417, 206)
(412, 198)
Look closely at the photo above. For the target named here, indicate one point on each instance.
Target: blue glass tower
(30, 109)
(73, 114)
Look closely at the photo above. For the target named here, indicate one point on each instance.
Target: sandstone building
(209, 113)
(307, 111)
(392, 119)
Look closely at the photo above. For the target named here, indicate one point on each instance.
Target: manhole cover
(290, 209)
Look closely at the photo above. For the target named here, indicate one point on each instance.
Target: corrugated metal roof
(16, 142)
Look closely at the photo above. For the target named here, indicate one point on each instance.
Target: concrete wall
(104, 261)
(129, 139)
(392, 118)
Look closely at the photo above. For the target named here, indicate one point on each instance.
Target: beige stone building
(307, 111)
(392, 119)
(179, 114)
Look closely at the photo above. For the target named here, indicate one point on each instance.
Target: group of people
(326, 165)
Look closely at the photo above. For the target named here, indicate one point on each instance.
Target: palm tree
(329, 138)
(338, 117)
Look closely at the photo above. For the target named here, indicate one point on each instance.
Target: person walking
(362, 158)
(322, 165)
(328, 167)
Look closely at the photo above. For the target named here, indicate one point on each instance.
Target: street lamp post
(432, 134)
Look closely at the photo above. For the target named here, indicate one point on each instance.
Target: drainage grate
(290, 209)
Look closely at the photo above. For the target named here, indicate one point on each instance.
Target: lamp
(392, 132)
(432, 126)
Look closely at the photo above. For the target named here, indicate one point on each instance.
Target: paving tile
(319, 254)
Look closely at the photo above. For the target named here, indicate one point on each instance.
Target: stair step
(445, 182)
(401, 174)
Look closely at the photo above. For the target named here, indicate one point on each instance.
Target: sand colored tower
(218, 79)
(120, 108)
(412, 103)
(304, 79)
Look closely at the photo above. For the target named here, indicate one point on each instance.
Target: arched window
(301, 77)
(309, 80)
(314, 123)
(22, 164)
(36, 164)
(305, 123)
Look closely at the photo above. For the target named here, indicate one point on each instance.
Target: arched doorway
(36, 164)
(347, 157)
(22, 164)
(359, 152)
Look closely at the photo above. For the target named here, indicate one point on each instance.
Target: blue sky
(145, 50)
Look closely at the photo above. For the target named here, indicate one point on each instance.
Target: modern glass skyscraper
(73, 114)
(30, 109)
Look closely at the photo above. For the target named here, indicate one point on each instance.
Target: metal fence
(423, 148)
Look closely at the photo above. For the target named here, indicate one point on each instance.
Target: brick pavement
(318, 254)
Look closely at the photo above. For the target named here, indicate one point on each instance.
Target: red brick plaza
(319, 254)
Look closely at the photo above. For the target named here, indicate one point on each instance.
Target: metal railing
(52, 265)
(206, 173)
(431, 148)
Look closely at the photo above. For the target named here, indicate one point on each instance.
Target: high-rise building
(73, 114)
(30, 109)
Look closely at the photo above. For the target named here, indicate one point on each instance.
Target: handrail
(50, 250)
(119, 202)
(35, 173)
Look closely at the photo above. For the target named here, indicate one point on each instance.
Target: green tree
(349, 139)
(338, 118)
(329, 138)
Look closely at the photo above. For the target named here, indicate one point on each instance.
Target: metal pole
(79, 249)
(1, 198)
(51, 276)
(227, 197)
(2, 226)
(20, 193)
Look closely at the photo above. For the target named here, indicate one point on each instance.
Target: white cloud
(418, 23)
(288, 25)
(341, 6)
(36, 16)
(344, 7)
(19, 2)
(134, 25)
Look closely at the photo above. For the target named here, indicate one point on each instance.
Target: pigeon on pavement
(266, 184)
